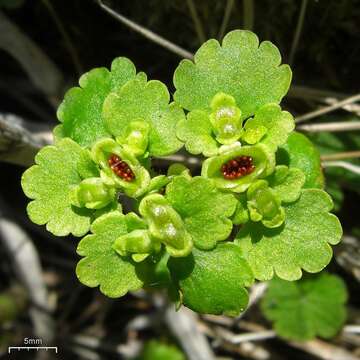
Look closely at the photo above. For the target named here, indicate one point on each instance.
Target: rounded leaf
(302, 242)
(242, 68)
(101, 265)
(203, 208)
(213, 282)
(50, 183)
(140, 100)
(304, 309)
(81, 110)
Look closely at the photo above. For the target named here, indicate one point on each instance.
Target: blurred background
(45, 45)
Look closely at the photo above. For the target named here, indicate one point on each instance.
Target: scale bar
(28, 348)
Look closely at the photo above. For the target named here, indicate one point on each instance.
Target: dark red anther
(237, 167)
(121, 168)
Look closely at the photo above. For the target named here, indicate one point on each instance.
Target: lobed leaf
(101, 265)
(196, 132)
(301, 243)
(303, 309)
(242, 68)
(81, 110)
(287, 182)
(49, 183)
(275, 124)
(140, 100)
(213, 282)
(204, 209)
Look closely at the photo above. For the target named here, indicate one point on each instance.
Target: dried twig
(24, 256)
(147, 33)
(252, 336)
(343, 164)
(21, 140)
(328, 109)
(347, 254)
(256, 293)
(183, 324)
(324, 350)
(341, 155)
(332, 126)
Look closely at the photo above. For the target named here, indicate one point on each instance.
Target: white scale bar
(28, 348)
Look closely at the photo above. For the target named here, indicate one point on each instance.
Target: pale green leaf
(81, 110)
(140, 100)
(302, 242)
(49, 183)
(101, 265)
(286, 182)
(204, 209)
(276, 124)
(196, 132)
(242, 68)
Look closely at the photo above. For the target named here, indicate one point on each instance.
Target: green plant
(156, 350)
(257, 174)
(303, 309)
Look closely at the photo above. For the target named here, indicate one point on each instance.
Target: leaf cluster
(183, 233)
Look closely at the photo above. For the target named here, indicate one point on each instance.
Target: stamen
(238, 167)
(121, 168)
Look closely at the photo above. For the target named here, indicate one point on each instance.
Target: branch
(183, 324)
(328, 109)
(146, 33)
(41, 70)
(256, 293)
(343, 164)
(24, 256)
(332, 126)
(341, 155)
(21, 140)
(324, 350)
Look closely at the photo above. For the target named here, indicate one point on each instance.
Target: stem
(68, 43)
(341, 155)
(147, 33)
(327, 109)
(298, 30)
(333, 126)
(197, 22)
(343, 164)
(21, 140)
(226, 18)
(248, 8)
